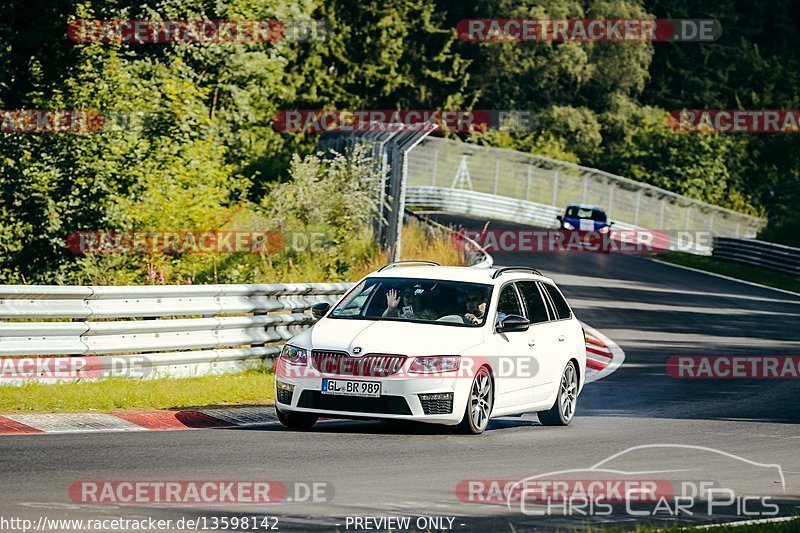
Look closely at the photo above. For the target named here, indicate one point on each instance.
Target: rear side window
(562, 309)
(509, 302)
(534, 305)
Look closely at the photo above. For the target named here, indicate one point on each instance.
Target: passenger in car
(411, 305)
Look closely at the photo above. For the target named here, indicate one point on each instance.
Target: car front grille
(344, 364)
(437, 404)
(387, 405)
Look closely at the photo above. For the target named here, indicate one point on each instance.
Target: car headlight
(567, 225)
(294, 355)
(434, 364)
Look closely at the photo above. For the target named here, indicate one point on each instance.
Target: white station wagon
(444, 345)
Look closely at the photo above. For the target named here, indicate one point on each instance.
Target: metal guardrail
(764, 255)
(542, 181)
(166, 330)
(157, 331)
(465, 202)
(480, 204)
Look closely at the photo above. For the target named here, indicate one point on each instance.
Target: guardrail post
(258, 344)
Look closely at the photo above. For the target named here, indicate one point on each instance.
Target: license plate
(348, 387)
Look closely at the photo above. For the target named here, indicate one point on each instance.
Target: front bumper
(399, 400)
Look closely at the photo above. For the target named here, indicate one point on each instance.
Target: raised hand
(392, 299)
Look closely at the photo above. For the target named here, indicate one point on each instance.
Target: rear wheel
(564, 408)
(297, 421)
(479, 404)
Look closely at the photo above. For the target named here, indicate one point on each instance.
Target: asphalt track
(653, 311)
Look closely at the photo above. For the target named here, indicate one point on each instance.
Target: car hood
(586, 224)
(386, 336)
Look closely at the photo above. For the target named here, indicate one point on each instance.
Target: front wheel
(564, 408)
(479, 404)
(297, 421)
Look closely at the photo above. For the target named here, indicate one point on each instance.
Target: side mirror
(560, 218)
(513, 323)
(318, 310)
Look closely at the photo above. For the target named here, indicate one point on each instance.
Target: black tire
(479, 404)
(561, 414)
(297, 421)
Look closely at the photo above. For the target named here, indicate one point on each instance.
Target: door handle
(561, 338)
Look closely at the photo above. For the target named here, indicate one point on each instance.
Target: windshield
(597, 215)
(451, 303)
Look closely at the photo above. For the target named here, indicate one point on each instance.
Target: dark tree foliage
(195, 147)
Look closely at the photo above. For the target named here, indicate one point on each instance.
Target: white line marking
(750, 522)
(754, 284)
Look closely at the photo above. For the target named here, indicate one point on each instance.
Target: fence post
(555, 188)
(528, 180)
(610, 198)
(496, 174)
(435, 166)
(585, 188)
(688, 216)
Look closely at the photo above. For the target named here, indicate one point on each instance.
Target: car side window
(509, 302)
(562, 308)
(534, 305)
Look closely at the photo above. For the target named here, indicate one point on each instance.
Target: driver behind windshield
(475, 307)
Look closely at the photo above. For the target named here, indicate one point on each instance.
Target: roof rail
(500, 271)
(407, 263)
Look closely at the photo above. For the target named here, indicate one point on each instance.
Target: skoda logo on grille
(357, 350)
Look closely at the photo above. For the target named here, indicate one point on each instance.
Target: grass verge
(734, 270)
(249, 387)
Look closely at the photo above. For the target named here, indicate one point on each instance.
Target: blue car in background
(585, 218)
